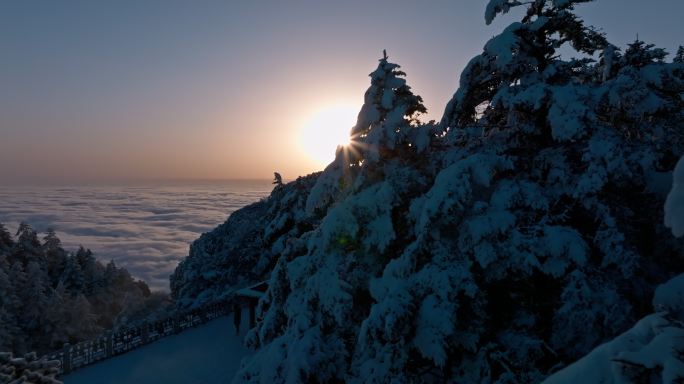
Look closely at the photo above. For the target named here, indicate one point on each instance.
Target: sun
(324, 130)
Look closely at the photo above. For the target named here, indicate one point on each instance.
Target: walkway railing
(111, 344)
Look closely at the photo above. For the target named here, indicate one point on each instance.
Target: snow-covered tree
(51, 242)
(28, 369)
(56, 256)
(389, 109)
(6, 241)
(244, 249)
(48, 297)
(640, 54)
(19, 282)
(679, 56)
(72, 276)
(674, 205)
(522, 55)
(71, 318)
(385, 128)
(34, 298)
(9, 308)
(27, 246)
(527, 231)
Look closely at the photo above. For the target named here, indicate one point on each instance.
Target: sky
(165, 89)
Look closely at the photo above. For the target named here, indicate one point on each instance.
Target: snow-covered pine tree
(523, 54)
(51, 242)
(19, 285)
(651, 351)
(71, 318)
(385, 128)
(28, 369)
(6, 242)
(388, 111)
(352, 242)
(34, 298)
(55, 255)
(72, 276)
(92, 270)
(524, 236)
(679, 56)
(640, 54)
(47, 298)
(27, 246)
(9, 305)
(244, 250)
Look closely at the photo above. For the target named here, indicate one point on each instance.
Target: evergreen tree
(55, 255)
(528, 232)
(640, 54)
(521, 54)
(34, 299)
(6, 242)
(84, 257)
(48, 297)
(679, 56)
(72, 277)
(384, 129)
(610, 62)
(387, 113)
(9, 305)
(90, 268)
(279, 289)
(51, 242)
(28, 369)
(19, 283)
(71, 318)
(27, 246)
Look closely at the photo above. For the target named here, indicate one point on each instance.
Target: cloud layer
(145, 228)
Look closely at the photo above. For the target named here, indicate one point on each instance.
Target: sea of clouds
(145, 228)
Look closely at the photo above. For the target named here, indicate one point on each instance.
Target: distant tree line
(49, 296)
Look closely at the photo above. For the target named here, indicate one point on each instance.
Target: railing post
(109, 344)
(66, 367)
(145, 332)
(176, 324)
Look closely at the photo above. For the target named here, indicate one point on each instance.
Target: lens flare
(325, 130)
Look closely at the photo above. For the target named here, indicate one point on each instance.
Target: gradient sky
(95, 90)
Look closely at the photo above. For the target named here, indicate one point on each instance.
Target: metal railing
(110, 344)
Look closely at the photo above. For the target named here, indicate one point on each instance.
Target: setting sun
(324, 130)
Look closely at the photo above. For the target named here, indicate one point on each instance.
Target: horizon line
(125, 181)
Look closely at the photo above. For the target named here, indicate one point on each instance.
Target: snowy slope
(208, 354)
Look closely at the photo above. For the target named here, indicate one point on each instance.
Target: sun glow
(325, 130)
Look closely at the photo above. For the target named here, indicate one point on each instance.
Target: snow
(567, 113)
(494, 247)
(246, 292)
(674, 205)
(670, 297)
(652, 348)
(495, 7)
(651, 345)
(208, 354)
